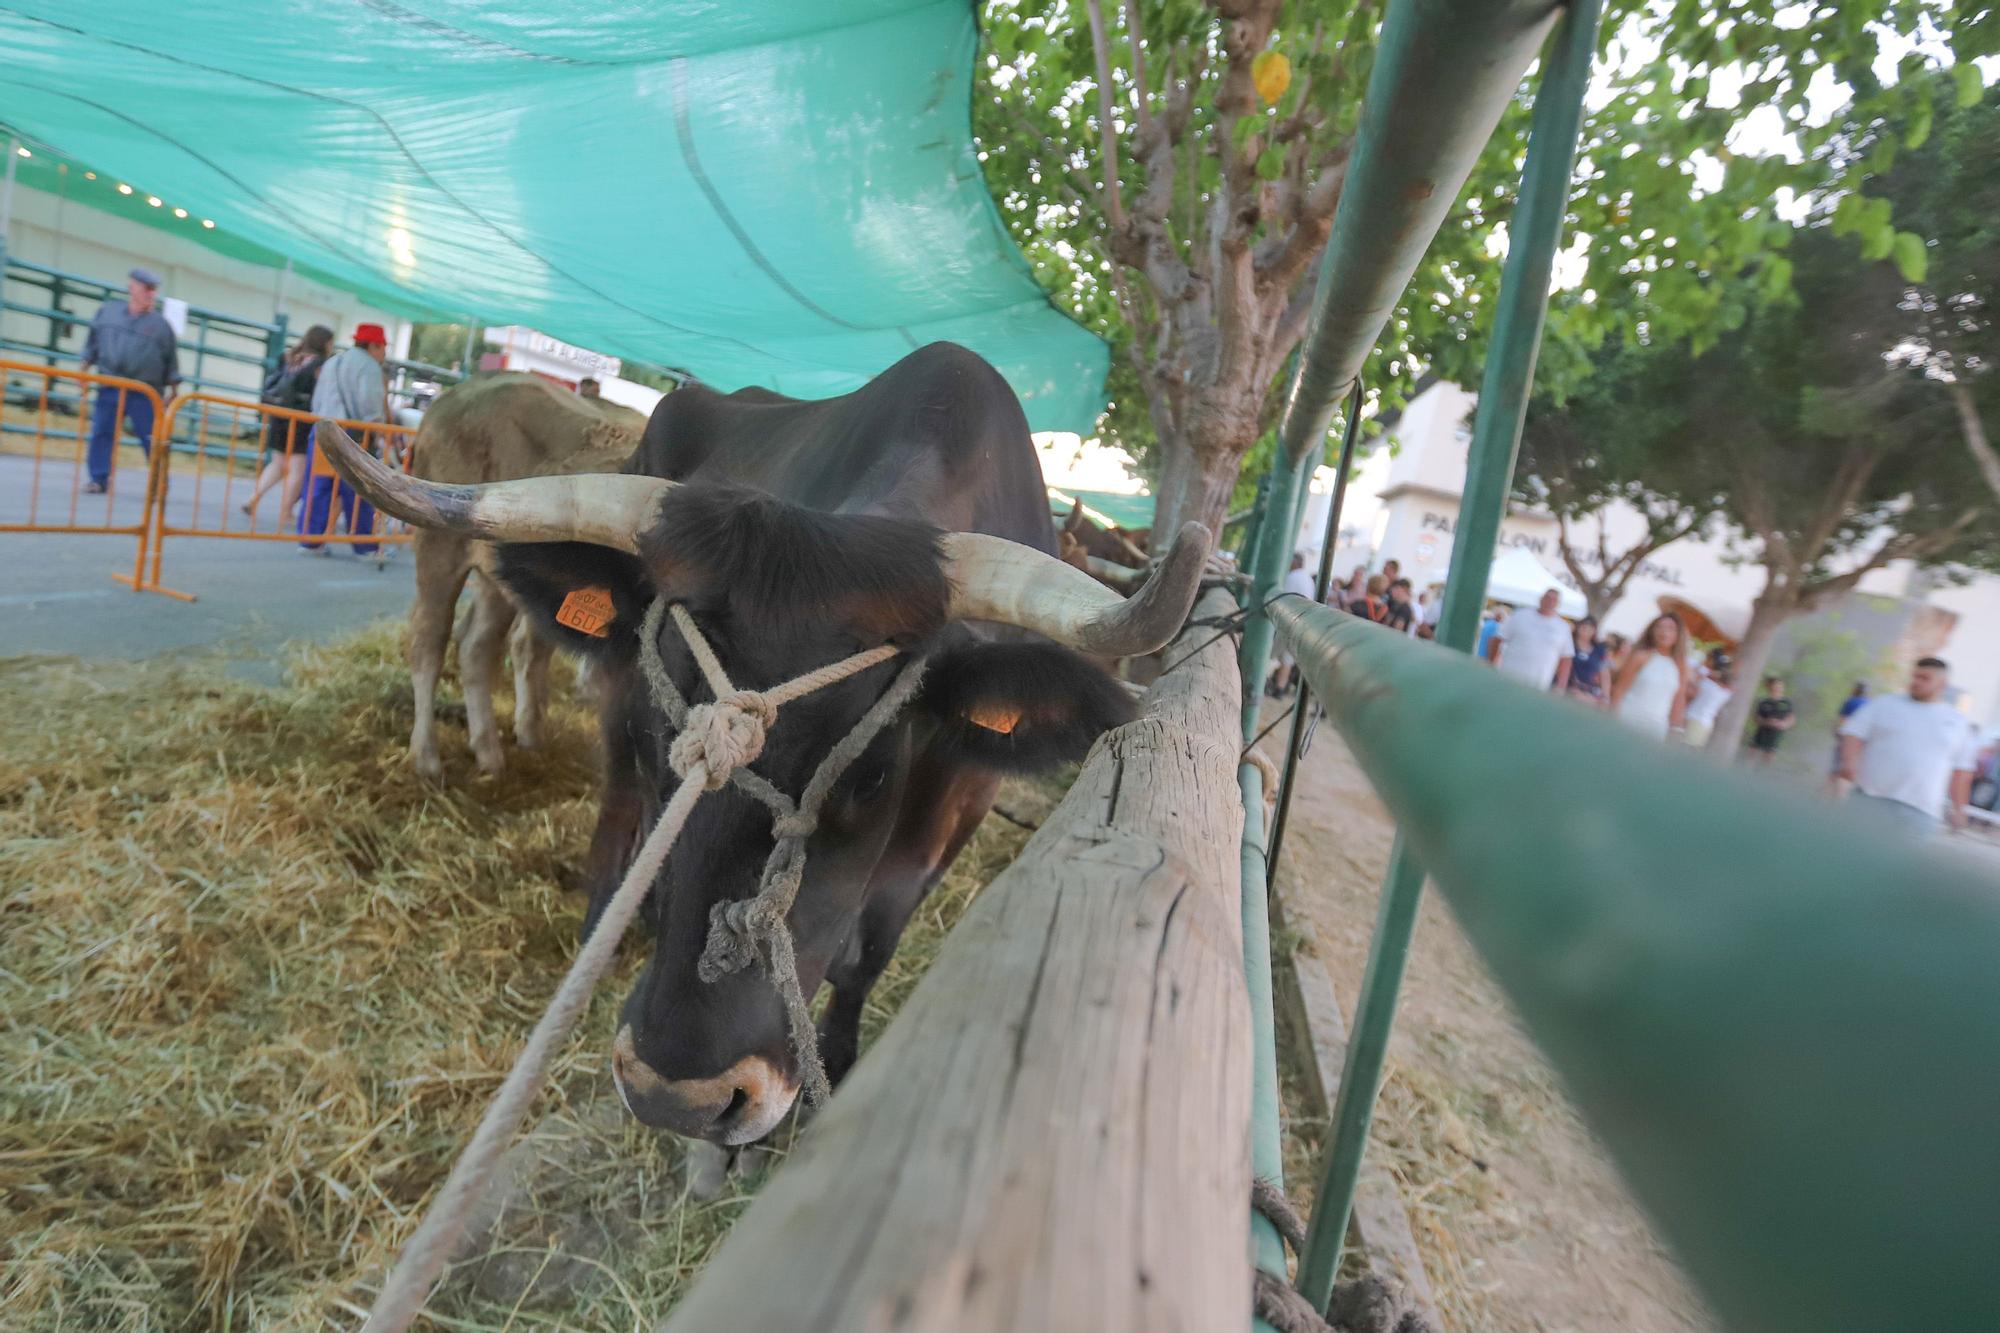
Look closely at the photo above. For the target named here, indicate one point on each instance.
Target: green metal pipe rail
(1782, 1019)
(1444, 72)
(1416, 147)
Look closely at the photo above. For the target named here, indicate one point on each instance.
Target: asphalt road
(58, 599)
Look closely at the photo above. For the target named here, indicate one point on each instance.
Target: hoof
(427, 764)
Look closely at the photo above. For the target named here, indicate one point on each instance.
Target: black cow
(800, 533)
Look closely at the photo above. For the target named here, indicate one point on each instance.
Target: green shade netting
(1105, 508)
(774, 193)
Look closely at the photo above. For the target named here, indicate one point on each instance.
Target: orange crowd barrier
(246, 471)
(49, 480)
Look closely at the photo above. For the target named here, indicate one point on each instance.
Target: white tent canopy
(1519, 579)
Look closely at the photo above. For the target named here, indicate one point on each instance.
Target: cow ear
(1021, 707)
(587, 598)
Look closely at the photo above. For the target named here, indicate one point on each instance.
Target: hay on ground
(257, 981)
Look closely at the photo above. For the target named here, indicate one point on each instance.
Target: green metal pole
(1273, 546)
(1533, 238)
(1266, 1146)
(59, 321)
(274, 346)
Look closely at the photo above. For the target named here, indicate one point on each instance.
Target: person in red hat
(351, 388)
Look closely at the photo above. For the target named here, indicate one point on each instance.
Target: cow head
(778, 590)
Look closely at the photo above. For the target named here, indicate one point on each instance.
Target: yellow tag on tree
(588, 611)
(1271, 72)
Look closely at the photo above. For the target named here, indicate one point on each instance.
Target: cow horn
(608, 509)
(1005, 582)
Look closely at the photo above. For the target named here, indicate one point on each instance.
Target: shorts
(1698, 732)
(1762, 739)
(1911, 818)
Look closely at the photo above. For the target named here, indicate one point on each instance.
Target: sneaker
(94, 488)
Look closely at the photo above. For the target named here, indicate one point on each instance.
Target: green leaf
(1970, 87)
(1911, 255)
(1776, 279)
(1877, 242)
(1271, 162)
(1920, 125)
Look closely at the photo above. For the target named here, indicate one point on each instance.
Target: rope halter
(714, 746)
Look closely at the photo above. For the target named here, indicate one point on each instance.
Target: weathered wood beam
(1054, 1133)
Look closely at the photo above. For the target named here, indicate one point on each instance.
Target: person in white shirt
(1912, 755)
(1534, 646)
(1712, 690)
(1432, 605)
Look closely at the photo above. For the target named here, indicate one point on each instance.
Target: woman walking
(285, 437)
(1649, 693)
(1586, 668)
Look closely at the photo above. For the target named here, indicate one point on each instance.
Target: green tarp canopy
(762, 192)
(1107, 509)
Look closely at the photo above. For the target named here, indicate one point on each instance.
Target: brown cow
(495, 428)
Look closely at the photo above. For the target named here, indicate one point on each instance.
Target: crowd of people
(1910, 755)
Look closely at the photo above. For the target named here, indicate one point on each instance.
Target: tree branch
(1146, 121)
(1107, 124)
(1901, 546)
(1311, 215)
(1974, 431)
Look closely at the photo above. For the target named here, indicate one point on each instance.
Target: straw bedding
(257, 981)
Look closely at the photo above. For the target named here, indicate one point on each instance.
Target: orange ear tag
(994, 717)
(588, 611)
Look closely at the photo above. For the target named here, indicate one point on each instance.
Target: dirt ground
(1522, 1224)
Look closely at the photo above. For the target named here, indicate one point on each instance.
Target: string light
(180, 212)
(90, 175)
(153, 199)
(208, 223)
(124, 189)
(23, 152)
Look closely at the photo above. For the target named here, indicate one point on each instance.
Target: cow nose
(740, 1105)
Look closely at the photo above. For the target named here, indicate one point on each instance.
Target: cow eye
(869, 784)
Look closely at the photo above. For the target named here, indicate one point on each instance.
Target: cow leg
(529, 653)
(441, 569)
(478, 664)
(612, 843)
(927, 840)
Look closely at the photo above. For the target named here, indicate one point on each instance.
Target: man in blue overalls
(351, 388)
(131, 339)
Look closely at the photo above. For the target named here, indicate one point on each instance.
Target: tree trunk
(1974, 431)
(1211, 481)
(1768, 615)
(1597, 601)
(1170, 490)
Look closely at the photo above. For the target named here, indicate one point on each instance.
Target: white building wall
(62, 234)
(1974, 647)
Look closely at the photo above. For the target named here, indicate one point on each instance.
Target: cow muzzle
(740, 1105)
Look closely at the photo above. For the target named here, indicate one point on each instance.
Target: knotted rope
(715, 742)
